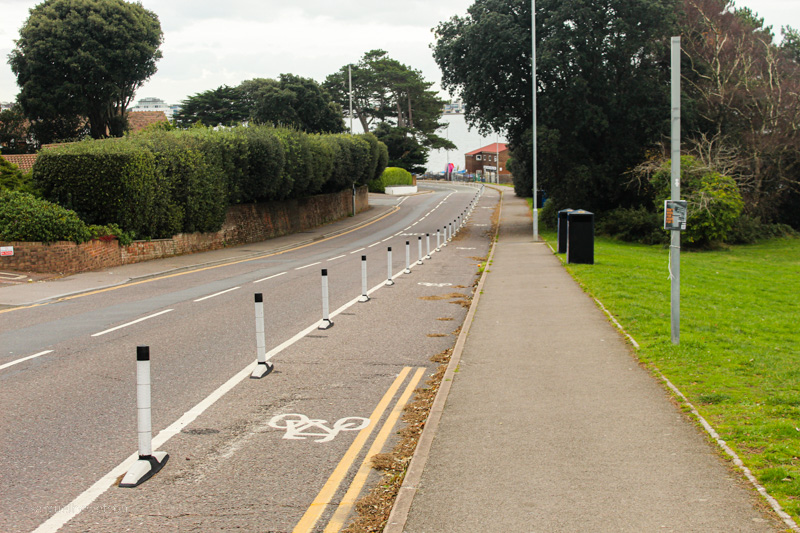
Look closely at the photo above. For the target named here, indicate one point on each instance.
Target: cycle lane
(231, 467)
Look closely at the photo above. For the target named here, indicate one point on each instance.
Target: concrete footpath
(551, 425)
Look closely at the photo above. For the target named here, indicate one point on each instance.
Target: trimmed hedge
(102, 181)
(23, 217)
(158, 183)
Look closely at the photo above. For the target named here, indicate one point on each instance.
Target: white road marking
(270, 277)
(84, 500)
(356, 251)
(428, 284)
(337, 257)
(374, 244)
(12, 363)
(296, 424)
(311, 265)
(387, 239)
(132, 323)
(216, 294)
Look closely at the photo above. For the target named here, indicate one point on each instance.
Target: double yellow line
(323, 499)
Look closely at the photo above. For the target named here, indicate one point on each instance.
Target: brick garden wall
(243, 224)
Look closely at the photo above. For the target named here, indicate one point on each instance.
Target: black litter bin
(580, 237)
(562, 230)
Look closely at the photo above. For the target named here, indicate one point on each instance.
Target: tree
(85, 58)
(791, 43)
(294, 101)
(288, 101)
(13, 131)
(221, 106)
(745, 91)
(602, 86)
(397, 103)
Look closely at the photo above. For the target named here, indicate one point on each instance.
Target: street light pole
(350, 81)
(533, 83)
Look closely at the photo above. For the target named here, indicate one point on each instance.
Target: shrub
(634, 225)
(548, 214)
(714, 201)
(111, 231)
(261, 178)
(23, 217)
(104, 182)
(749, 230)
(379, 157)
(396, 176)
(13, 179)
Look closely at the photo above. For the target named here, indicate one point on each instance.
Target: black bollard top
(390, 248)
(324, 271)
(259, 298)
(142, 353)
(363, 257)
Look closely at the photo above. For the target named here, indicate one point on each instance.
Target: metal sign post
(535, 175)
(675, 192)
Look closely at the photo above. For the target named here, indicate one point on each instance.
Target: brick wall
(243, 224)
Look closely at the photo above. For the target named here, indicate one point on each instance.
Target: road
(68, 380)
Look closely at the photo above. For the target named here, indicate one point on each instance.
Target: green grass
(738, 360)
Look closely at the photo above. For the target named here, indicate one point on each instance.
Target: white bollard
(262, 366)
(326, 319)
(428, 245)
(438, 245)
(149, 463)
(444, 237)
(389, 280)
(408, 258)
(419, 250)
(364, 296)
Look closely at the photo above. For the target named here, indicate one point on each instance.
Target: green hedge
(102, 181)
(158, 183)
(23, 217)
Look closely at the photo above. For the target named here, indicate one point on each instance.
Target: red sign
(6, 250)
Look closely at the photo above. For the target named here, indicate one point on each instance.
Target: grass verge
(738, 360)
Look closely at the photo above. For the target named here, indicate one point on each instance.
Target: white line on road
(270, 277)
(356, 251)
(85, 499)
(12, 363)
(311, 265)
(216, 294)
(374, 244)
(337, 257)
(387, 239)
(132, 323)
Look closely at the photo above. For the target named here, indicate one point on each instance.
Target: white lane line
(216, 294)
(311, 265)
(12, 363)
(270, 277)
(132, 323)
(356, 251)
(338, 257)
(388, 238)
(374, 244)
(84, 500)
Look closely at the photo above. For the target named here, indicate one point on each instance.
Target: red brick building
(484, 162)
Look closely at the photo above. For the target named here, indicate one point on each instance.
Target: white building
(155, 104)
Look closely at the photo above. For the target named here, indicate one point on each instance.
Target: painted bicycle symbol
(301, 427)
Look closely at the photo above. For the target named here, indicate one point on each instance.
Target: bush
(548, 214)
(13, 179)
(396, 176)
(714, 201)
(111, 231)
(634, 225)
(261, 177)
(379, 157)
(749, 230)
(23, 217)
(111, 181)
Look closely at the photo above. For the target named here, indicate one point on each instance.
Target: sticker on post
(675, 215)
(300, 427)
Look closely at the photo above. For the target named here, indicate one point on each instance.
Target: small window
(478, 157)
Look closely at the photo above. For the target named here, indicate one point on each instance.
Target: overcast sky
(224, 42)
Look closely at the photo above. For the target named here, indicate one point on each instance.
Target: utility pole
(533, 76)
(675, 192)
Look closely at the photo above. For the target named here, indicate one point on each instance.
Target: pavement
(550, 424)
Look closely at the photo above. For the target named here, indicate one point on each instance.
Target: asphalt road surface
(276, 454)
